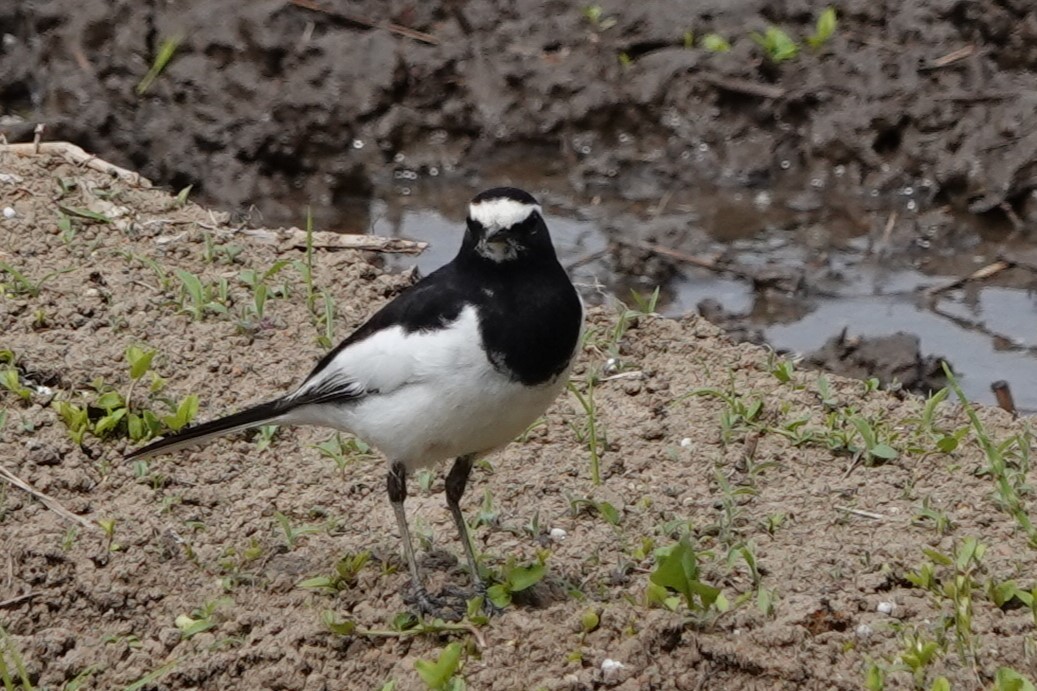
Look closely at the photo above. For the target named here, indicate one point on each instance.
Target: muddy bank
(277, 102)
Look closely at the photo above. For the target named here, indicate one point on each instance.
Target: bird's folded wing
(383, 362)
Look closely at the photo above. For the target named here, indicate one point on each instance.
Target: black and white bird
(456, 366)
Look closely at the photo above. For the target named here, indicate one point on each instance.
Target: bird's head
(505, 224)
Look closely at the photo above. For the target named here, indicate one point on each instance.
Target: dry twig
(75, 155)
(296, 238)
(365, 22)
(979, 274)
(46, 500)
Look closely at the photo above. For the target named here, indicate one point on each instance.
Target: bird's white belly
(423, 424)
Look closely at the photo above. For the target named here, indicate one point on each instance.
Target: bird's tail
(262, 414)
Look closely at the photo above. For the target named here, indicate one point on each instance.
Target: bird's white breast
(432, 395)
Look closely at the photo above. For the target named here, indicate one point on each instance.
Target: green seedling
(201, 619)
(938, 519)
(292, 533)
(602, 508)
(918, 654)
(180, 201)
(197, 299)
(783, 371)
(776, 44)
(590, 434)
(824, 30)
(874, 677)
(20, 284)
(1007, 679)
(343, 452)
(165, 53)
(677, 570)
(66, 229)
(327, 322)
(108, 528)
(305, 268)
(596, 16)
(715, 43)
(877, 450)
(344, 577)
(1010, 484)
(952, 578)
(265, 436)
(225, 254)
(111, 414)
(258, 283)
(515, 579)
(825, 393)
(487, 515)
(441, 675)
(85, 214)
(11, 380)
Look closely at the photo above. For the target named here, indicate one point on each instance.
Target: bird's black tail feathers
(262, 414)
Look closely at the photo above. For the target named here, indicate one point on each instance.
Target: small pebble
(610, 668)
(687, 443)
(886, 607)
(9, 212)
(558, 534)
(863, 631)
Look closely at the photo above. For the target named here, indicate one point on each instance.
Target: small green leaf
(499, 595)
(109, 422)
(608, 512)
(317, 582)
(715, 43)
(437, 674)
(825, 29)
(523, 577)
(140, 361)
(85, 213)
(337, 626)
(883, 451)
(1007, 679)
(110, 400)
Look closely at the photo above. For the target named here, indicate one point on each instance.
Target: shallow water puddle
(987, 332)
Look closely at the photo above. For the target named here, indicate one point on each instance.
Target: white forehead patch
(497, 214)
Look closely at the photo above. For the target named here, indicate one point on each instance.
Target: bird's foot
(468, 594)
(450, 604)
(447, 605)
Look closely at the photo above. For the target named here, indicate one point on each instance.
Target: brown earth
(833, 536)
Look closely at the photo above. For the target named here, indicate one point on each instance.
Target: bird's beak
(495, 235)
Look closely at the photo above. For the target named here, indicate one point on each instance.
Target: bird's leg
(397, 485)
(456, 481)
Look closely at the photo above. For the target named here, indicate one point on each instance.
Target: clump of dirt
(280, 102)
(819, 548)
(896, 358)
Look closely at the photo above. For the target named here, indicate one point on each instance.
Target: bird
(456, 366)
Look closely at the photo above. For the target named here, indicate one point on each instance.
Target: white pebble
(9, 212)
(558, 534)
(687, 443)
(863, 631)
(886, 607)
(610, 668)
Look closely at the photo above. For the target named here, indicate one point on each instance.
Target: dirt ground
(185, 572)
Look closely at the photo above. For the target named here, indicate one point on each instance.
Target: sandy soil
(834, 539)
